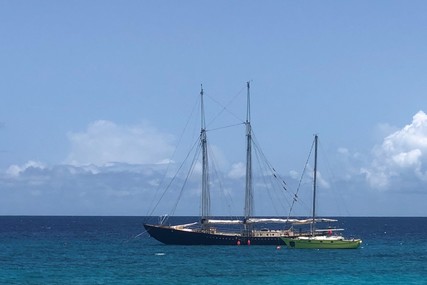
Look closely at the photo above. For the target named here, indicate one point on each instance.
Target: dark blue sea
(115, 250)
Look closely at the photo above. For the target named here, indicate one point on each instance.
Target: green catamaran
(320, 238)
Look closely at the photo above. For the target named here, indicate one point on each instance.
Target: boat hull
(173, 236)
(316, 243)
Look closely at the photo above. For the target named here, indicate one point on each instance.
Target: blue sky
(95, 95)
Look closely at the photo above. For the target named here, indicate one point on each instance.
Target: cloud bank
(401, 157)
(113, 169)
(110, 169)
(105, 142)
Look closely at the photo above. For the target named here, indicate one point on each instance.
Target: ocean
(116, 250)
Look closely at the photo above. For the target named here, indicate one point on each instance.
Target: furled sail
(269, 220)
(310, 221)
(222, 222)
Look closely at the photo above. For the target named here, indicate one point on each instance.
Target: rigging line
(337, 196)
(275, 174)
(300, 181)
(140, 234)
(173, 178)
(134, 237)
(277, 179)
(225, 127)
(259, 164)
(225, 108)
(173, 155)
(224, 196)
(190, 171)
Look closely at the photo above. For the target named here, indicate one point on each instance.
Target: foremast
(249, 199)
(205, 203)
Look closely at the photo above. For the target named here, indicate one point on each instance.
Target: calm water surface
(107, 250)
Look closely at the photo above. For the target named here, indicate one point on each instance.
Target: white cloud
(97, 185)
(322, 182)
(294, 174)
(104, 142)
(37, 189)
(343, 151)
(238, 170)
(16, 170)
(403, 154)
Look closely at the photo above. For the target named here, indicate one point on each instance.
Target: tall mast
(205, 203)
(249, 188)
(314, 185)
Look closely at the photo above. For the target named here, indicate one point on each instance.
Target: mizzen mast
(205, 203)
(249, 199)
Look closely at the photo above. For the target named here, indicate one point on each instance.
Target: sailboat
(320, 238)
(204, 231)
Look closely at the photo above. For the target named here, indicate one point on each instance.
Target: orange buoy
(238, 242)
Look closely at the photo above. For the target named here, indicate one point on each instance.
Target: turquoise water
(105, 250)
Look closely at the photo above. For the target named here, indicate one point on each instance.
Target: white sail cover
(270, 220)
(266, 220)
(251, 221)
(310, 221)
(223, 222)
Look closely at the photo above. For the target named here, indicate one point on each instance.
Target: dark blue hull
(168, 235)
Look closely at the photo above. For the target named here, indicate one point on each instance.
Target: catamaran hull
(168, 235)
(321, 244)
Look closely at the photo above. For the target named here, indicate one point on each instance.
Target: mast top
(202, 107)
(248, 106)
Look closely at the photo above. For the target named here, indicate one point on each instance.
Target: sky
(95, 96)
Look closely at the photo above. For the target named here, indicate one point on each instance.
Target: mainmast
(314, 185)
(249, 187)
(205, 203)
